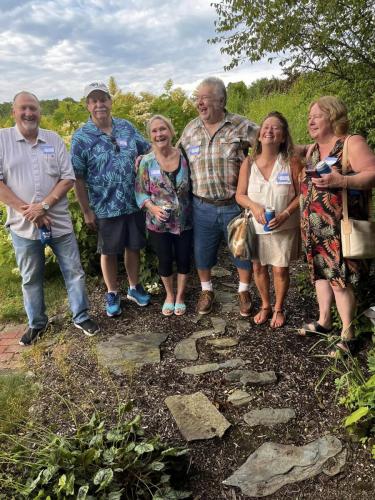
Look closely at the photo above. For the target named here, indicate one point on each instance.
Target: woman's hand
(278, 220)
(157, 212)
(332, 180)
(258, 213)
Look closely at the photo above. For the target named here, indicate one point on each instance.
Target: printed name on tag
(194, 150)
(47, 150)
(122, 142)
(155, 171)
(283, 178)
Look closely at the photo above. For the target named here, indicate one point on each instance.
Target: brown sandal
(274, 318)
(266, 315)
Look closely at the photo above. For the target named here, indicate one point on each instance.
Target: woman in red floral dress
(321, 213)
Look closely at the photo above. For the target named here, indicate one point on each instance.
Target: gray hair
(219, 85)
(25, 92)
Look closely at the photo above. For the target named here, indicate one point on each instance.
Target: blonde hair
(336, 111)
(164, 119)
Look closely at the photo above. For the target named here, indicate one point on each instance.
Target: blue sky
(54, 47)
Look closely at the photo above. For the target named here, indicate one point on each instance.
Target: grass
(15, 399)
(11, 302)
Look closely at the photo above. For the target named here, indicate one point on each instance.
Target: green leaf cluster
(96, 462)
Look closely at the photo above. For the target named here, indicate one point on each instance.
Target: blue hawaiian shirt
(106, 163)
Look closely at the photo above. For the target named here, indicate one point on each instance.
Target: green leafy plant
(97, 461)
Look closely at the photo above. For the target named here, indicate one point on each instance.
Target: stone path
(10, 350)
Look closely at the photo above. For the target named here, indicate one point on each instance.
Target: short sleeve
(142, 183)
(78, 157)
(65, 164)
(143, 146)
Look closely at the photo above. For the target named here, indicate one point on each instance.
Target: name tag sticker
(155, 171)
(283, 178)
(122, 142)
(47, 150)
(194, 150)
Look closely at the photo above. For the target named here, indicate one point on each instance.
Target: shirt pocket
(50, 165)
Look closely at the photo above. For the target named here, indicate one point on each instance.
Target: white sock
(207, 285)
(243, 287)
(111, 291)
(133, 287)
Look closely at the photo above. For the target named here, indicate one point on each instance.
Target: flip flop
(313, 328)
(274, 318)
(167, 309)
(344, 348)
(267, 315)
(179, 309)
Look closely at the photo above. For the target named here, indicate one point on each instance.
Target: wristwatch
(45, 205)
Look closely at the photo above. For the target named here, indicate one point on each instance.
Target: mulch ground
(65, 364)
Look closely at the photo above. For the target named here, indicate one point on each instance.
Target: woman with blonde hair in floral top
(163, 188)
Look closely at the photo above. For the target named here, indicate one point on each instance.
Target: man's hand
(43, 220)
(90, 219)
(33, 211)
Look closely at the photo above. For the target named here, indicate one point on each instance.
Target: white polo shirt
(31, 171)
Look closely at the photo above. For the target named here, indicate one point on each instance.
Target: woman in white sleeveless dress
(269, 178)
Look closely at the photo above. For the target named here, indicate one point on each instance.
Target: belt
(217, 203)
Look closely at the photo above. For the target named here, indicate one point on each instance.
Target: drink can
(270, 214)
(168, 210)
(324, 166)
(45, 234)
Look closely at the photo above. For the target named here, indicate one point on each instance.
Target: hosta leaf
(115, 495)
(82, 492)
(143, 448)
(103, 477)
(157, 466)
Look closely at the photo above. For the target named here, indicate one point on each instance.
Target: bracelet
(287, 211)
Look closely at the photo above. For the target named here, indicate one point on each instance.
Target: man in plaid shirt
(216, 143)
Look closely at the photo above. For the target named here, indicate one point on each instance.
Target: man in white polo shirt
(35, 175)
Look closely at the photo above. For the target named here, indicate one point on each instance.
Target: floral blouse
(153, 183)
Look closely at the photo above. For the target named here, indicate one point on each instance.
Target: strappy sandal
(274, 318)
(344, 348)
(167, 309)
(266, 315)
(313, 328)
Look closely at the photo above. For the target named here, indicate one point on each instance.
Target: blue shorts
(210, 227)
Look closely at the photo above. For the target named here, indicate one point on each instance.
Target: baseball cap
(91, 87)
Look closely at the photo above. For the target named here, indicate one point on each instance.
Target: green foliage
(97, 461)
(16, 396)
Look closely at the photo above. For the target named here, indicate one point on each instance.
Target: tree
(334, 36)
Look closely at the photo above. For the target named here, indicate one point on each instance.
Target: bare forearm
(58, 192)
(82, 197)
(244, 201)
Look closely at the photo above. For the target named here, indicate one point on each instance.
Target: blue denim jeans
(31, 261)
(210, 227)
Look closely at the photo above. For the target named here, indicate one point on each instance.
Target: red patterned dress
(321, 213)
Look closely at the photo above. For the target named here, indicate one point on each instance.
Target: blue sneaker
(113, 304)
(139, 295)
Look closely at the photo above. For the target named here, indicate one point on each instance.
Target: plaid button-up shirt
(215, 161)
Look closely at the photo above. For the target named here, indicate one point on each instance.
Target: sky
(53, 48)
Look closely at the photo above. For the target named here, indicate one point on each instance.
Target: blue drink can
(45, 235)
(324, 166)
(270, 214)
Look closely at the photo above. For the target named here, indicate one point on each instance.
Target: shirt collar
(227, 119)
(20, 137)
(91, 128)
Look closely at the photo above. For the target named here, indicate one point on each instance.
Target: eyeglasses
(115, 144)
(204, 98)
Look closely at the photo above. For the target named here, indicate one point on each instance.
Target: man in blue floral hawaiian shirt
(103, 152)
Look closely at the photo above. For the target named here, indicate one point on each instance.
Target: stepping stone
(186, 350)
(258, 378)
(219, 324)
(223, 342)
(243, 325)
(223, 352)
(140, 348)
(220, 272)
(200, 369)
(238, 397)
(274, 465)
(269, 416)
(196, 417)
(213, 367)
(234, 376)
(203, 333)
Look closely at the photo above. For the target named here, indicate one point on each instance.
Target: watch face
(45, 206)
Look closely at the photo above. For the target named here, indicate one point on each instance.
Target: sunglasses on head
(114, 142)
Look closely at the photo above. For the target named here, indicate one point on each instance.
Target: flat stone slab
(196, 417)
(239, 398)
(139, 349)
(274, 465)
(269, 416)
(186, 350)
(220, 272)
(223, 342)
(243, 326)
(219, 324)
(209, 332)
(213, 367)
(258, 378)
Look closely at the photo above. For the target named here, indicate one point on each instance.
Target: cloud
(55, 47)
